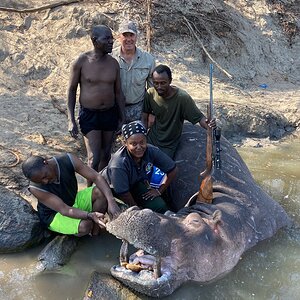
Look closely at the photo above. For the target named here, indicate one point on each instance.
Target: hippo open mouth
(151, 269)
(164, 244)
(148, 271)
(139, 261)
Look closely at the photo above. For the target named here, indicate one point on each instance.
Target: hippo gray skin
(201, 242)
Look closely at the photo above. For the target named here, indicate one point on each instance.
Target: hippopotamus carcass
(200, 242)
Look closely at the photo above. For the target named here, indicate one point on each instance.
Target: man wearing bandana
(130, 168)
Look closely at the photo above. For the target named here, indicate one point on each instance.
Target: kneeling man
(61, 207)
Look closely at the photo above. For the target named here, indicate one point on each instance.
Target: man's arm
(149, 82)
(192, 113)
(127, 198)
(72, 90)
(93, 176)
(120, 98)
(203, 122)
(169, 178)
(145, 119)
(54, 202)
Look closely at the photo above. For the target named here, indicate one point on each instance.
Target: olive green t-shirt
(169, 114)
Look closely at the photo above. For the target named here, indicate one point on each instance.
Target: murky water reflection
(271, 270)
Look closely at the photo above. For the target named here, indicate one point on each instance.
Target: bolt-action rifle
(212, 151)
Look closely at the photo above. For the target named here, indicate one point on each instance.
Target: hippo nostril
(132, 208)
(148, 210)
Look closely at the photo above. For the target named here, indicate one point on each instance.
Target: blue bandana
(132, 128)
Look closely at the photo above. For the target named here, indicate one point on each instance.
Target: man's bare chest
(96, 73)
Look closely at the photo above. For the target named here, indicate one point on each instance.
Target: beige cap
(128, 26)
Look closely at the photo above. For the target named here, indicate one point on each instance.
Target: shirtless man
(101, 103)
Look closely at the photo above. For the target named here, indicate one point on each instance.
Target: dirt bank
(251, 43)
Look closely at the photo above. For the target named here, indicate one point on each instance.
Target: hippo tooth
(157, 268)
(124, 252)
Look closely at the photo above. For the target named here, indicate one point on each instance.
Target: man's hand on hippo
(113, 209)
(98, 218)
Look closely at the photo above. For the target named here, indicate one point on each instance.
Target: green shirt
(169, 117)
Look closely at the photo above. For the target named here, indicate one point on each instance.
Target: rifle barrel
(211, 104)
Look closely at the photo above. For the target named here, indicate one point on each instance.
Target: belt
(131, 104)
(96, 109)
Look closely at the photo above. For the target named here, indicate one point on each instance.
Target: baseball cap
(128, 26)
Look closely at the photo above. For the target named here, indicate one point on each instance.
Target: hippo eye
(194, 217)
(194, 220)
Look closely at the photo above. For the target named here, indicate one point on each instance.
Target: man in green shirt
(171, 106)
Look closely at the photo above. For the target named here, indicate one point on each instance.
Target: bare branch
(204, 49)
(148, 25)
(40, 8)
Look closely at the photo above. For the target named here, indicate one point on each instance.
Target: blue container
(157, 177)
(263, 86)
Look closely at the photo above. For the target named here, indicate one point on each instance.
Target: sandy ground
(244, 37)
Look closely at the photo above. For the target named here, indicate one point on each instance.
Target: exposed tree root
(13, 153)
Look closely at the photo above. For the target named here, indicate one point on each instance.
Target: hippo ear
(217, 216)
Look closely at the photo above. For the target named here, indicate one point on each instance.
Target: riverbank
(256, 77)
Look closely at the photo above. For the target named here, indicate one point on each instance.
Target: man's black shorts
(96, 119)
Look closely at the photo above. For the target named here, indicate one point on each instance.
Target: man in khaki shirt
(136, 68)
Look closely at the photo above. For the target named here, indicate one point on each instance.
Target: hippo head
(172, 249)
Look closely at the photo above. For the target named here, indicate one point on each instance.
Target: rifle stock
(205, 193)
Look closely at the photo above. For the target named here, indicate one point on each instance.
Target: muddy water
(271, 270)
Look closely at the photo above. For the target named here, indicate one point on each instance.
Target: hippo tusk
(124, 253)
(157, 268)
